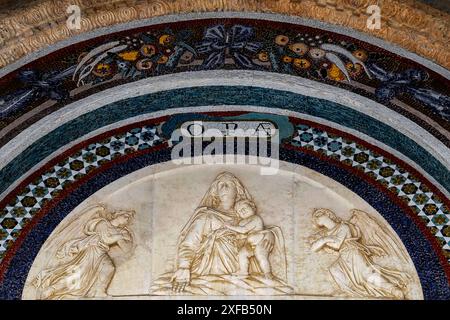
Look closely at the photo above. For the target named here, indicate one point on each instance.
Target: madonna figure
(208, 251)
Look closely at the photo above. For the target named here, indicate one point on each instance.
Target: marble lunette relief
(235, 235)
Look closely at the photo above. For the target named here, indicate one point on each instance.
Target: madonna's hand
(180, 279)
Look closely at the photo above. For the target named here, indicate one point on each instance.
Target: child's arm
(240, 229)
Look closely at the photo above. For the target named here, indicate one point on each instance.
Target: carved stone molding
(407, 23)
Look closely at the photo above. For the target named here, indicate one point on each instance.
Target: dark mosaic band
(433, 280)
(84, 169)
(81, 117)
(91, 66)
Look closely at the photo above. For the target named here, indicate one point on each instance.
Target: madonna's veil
(211, 199)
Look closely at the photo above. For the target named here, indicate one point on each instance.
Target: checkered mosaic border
(25, 205)
(416, 194)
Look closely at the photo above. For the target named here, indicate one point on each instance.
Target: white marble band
(225, 78)
(244, 78)
(248, 108)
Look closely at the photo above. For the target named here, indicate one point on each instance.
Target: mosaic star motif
(16, 214)
(416, 194)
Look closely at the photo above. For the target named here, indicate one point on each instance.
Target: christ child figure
(251, 229)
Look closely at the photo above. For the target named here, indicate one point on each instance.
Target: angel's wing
(373, 234)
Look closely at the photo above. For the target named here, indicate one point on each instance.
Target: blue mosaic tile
(433, 280)
(217, 95)
(415, 193)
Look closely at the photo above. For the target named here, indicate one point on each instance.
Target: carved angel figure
(358, 241)
(85, 267)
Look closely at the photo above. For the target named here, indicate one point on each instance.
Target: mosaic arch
(92, 204)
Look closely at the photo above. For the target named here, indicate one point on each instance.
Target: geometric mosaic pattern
(25, 205)
(411, 191)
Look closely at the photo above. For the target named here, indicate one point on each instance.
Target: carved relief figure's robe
(354, 271)
(82, 261)
(204, 247)
(211, 254)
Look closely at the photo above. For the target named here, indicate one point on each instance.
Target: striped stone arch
(84, 112)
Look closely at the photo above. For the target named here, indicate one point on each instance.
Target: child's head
(245, 208)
